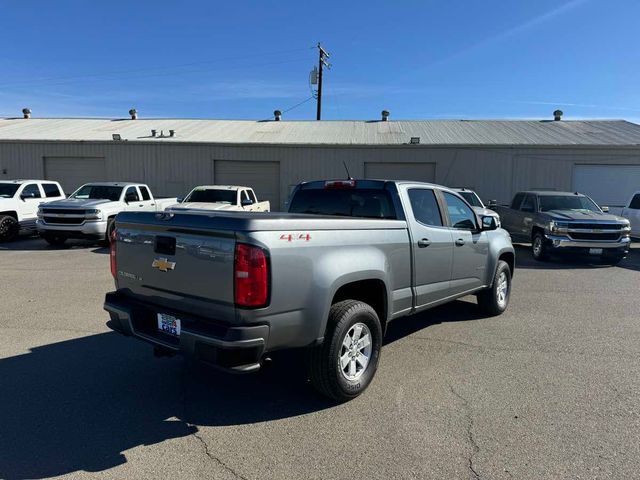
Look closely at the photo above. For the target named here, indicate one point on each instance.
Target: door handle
(425, 242)
(460, 242)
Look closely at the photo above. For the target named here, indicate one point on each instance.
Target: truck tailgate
(175, 265)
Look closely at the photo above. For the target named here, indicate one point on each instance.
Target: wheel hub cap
(355, 352)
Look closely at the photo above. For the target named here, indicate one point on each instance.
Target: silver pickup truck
(349, 257)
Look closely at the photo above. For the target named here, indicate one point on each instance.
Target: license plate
(169, 324)
(595, 251)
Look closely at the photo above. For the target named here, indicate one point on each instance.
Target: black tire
(539, 247)
(111, 225)
(54, 240)
(489, 300)
(324, 364)
(9, 228)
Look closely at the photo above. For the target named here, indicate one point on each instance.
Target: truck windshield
(98, 192)
(8, 190)
(367, 203)
(567, 202)
(472, 199)
(212, 196)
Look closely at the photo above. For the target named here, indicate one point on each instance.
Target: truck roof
(542, 193)
(373, 183)
(113, 184)
(25, 180)
(220, 187)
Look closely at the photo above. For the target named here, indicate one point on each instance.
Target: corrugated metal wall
(495, 172)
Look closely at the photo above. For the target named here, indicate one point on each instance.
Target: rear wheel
(111, 226)
(346, 362)
(9, 228)
(54, 240)
(538, 247)
(494, 300)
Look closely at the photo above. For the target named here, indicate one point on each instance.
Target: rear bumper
(235, 349)
(86, 230)
(560, 243)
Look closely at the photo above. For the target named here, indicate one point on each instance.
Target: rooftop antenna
(349, 177)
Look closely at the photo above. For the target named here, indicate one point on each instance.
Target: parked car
(90, 211)
(473, 199)
(222, 197)
(556, 222)
(631, 212)
(351, 256)
(19, 202)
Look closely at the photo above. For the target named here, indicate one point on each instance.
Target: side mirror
(489, 222)
(526, 209)
(605, 209)
(180, 199)
(24, 196)
(493, 203)
(130, 197)
(246, 202)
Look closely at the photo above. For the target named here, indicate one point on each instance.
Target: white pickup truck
(19, 202)
(222, 197)
(631, 212)
(90, 211)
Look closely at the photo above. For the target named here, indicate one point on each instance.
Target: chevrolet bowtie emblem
(163, 264)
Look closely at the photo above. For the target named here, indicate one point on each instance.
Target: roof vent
(557, 115)
(277, 115)
(153, 133)
(134, 114)
(26, 113)
(172, 133)
(385, 115)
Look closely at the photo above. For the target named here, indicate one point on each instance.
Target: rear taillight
(251, 276)
(112, 253)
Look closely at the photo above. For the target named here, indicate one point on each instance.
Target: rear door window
(517, 201)
(32, 190)
(425, 206)
(529, 203)
(51, 190)
(145, 193)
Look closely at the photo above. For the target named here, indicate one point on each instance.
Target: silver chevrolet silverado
(349, 257)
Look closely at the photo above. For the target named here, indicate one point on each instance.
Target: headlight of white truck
(93, 214)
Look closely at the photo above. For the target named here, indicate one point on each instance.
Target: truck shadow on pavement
(35, 244)
(77, 405)
(525, 260)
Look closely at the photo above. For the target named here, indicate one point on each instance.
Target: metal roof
(339, 132)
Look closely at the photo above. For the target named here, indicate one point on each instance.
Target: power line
(298, 104)
(146, 71)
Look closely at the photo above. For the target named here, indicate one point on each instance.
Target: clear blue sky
(422, 59)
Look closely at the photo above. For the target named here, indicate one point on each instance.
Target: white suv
(19, 202)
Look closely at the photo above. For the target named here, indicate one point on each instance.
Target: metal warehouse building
(497, 158)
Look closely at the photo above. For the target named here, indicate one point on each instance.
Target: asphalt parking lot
(551, 389)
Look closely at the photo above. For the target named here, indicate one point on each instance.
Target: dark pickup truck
(556, 222)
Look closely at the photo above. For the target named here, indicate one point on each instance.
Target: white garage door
(420, 172)
(263, 177)
(610, 185)
(72, 172)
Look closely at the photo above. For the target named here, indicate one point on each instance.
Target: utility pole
(323, 55)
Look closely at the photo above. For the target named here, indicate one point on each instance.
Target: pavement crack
(195, 430)
(470, 437)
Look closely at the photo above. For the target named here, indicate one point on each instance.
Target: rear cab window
(51, 190)
(366, 199)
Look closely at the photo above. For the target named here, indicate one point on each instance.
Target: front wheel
(538, 247)
(346, 362)
(9, 228)
(494, 300)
